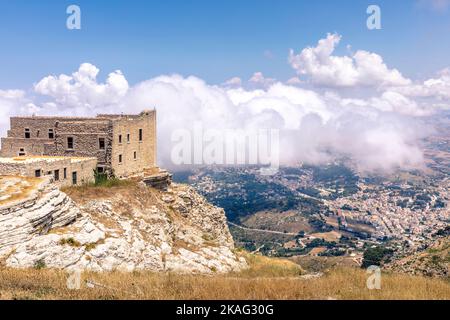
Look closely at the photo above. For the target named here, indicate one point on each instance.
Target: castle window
(37, 133)
(50, 134)
(69, 142)
(21, 152)
(120, 158)
(120, 138)
(56, 175)
(65, 173)
(101, 143)
(140, 134)
(27, 133)
(128, 137)
(135, 155)
(100, 169)
(74, 178)
(37, 173)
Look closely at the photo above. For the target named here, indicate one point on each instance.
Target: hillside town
(406, 214)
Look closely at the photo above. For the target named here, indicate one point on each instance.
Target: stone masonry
(123, 145)
(64, 171)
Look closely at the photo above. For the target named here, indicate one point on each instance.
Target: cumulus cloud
(81, 90)
(14, 102)
(379, 130)
(233, 82)
(436, 88)
(391, 101)
(258, 80)
(294, 81)
(314, 127)
(362, 68)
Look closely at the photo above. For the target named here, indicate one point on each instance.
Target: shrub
(70, 241)
(40, 264)
(90, 246)
(376, 256)
(100, 178)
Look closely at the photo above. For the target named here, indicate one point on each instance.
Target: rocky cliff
(128, 227)
(30, 207)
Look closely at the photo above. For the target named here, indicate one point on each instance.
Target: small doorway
(74, 178)
(56, 175)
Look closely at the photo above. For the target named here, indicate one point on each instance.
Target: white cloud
(360, 69)
(313, 126)
(233, 82)
(81, 90)
(294, 81)
(436, 88)
(395, 102)
(13, 102)
(258, 80)
(379, 129)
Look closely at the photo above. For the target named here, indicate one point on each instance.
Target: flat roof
(98, 117)
(33, 159)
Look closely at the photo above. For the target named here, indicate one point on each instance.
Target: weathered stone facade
(123, 144)
(64, 171)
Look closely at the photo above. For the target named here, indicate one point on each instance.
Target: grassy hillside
(434, 261)
(266, 278)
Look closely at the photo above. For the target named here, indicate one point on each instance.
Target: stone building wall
(27, 167)
(13, 147)
(86, 134)
(38, 126)
(85, 170)
(135, 154)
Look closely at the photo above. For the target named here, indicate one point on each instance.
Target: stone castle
(71, 148)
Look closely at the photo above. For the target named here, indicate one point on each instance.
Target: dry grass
(264, 267)
(87, 192)
(18, 191)
(266, 279)
(327, 236)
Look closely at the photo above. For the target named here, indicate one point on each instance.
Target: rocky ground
(131, 227)
(433, 261)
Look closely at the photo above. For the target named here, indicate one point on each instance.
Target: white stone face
(100, 236)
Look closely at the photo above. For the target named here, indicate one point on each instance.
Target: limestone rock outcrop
(44, 208)
(127, 228)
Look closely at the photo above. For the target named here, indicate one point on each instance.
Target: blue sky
(214, 40)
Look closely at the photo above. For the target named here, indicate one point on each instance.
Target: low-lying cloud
(379, 132)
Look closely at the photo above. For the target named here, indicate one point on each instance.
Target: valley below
(336, 215)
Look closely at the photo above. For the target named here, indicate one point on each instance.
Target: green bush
(108, 181)
(40, 264)
(100, 178)
(376, 256)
